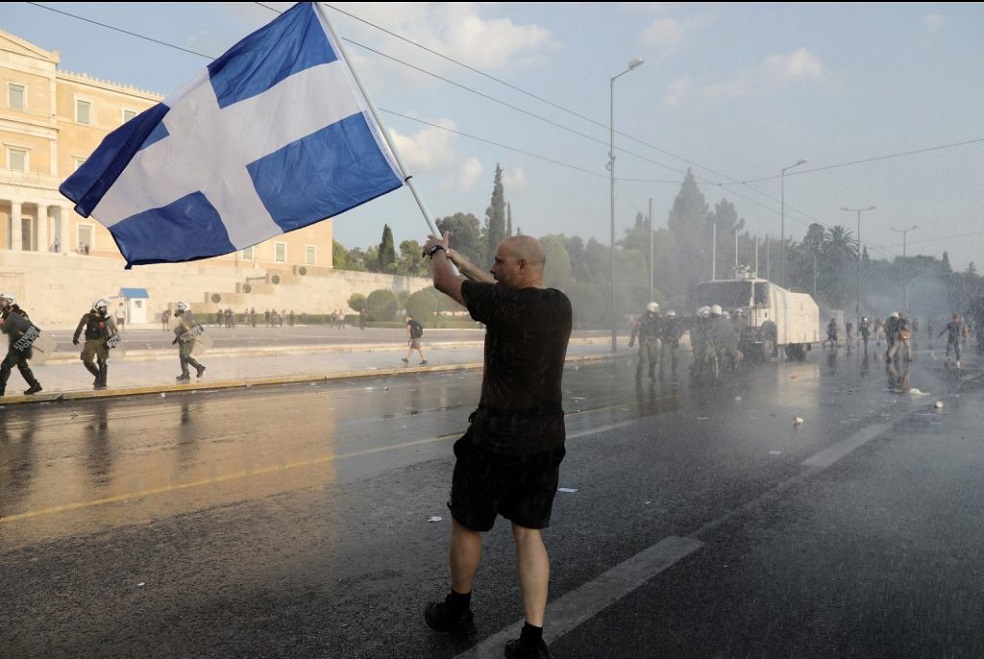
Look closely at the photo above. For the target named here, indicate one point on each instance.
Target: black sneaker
(516, 650)
(404, 360)
(439, 618)
(423, 362)
(33, 389)
(184, 377)
(199, 371)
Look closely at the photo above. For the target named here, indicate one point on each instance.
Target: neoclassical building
(50, 122)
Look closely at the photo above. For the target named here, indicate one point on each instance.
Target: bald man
(508, 461)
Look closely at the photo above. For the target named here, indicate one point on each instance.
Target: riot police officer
(864, 329)
(647, 331)
(99, 328)
(15, 322)
(669, 335)
(186, 331)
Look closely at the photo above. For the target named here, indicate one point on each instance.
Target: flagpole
(408, 178)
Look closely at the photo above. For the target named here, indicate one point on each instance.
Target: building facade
(50, 122)
(57, 261)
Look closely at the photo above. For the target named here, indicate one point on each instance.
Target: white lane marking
(583, 603)
(832, 454)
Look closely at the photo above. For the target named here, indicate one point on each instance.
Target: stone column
(44, 219)
(64, 245)
(16, 228)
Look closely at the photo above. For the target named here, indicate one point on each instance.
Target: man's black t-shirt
(527, 332)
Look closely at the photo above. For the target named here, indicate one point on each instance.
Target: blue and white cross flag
(273, 136)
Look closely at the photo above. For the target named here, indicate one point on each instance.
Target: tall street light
(857, 304)
(905, 297)
(611, 173)
(782, 226)
(903, 232)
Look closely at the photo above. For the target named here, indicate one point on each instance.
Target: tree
(466, 236)
(804, 260)
(411, 262)
(575, 251)
(386, 255)
(422, 304)
(597, 262)
(727, 228)
(357, 302)
(371, 258)
(689, 224)
(839, 266)
(495, 217)
(588, 302)
(557, 271)
(339, 256)
(362, 260)
(633, 278)
(382, 305)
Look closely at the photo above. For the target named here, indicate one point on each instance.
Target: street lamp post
(782, 224)
(611, 174)
(651, 264)
(903, 232)
(905, 297)
(857, 304)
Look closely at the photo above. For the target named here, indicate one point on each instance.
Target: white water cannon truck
(768, 318)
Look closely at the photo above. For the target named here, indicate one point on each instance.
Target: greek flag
(273, 136)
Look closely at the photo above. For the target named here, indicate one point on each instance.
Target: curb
(163, 390)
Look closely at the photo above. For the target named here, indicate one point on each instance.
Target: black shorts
(521, 488)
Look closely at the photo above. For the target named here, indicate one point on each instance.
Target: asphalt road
(694, 521)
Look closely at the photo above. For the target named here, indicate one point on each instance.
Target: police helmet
(671, 314)
(864, 319)
(716, 309)
(652, 307)
(8, 298)
(704, 312)
(181, 306)
(894, 314)
(100, 305)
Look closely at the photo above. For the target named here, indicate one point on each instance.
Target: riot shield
(42, 347)
(117, 347)
(203, 341)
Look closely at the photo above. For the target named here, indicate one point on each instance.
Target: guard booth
(135, 301)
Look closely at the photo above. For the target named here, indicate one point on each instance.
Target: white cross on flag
(273, 136)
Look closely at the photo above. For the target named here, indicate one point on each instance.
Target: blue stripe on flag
(99, 172)
(260, 61)
(191, 225)
(339, 167)
(143, 184)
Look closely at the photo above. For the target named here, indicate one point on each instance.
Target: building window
(280, 252)
(85, 238)
(83, 112)
(248, 254)
(16, 159)
(128, 114)
(16, 97)
(310, 254)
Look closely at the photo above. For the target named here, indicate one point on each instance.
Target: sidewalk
(142, 372)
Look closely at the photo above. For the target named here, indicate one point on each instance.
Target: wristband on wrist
(434, 250)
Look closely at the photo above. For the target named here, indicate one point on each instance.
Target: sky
(883, 101)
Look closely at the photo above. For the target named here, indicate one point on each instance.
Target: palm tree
(839, 259)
